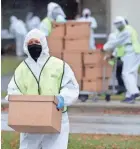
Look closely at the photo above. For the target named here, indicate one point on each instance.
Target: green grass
(9, 64)
(3, 94)
(10, 140)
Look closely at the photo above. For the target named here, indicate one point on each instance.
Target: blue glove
(60, 104)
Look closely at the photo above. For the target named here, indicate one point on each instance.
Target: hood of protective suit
(13, 19)
(119, 19)
(54, 9)
(86, 11)
(37, 34)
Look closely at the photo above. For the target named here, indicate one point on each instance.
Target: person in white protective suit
(87, 18)
(54, 13)
(32, 21)
(18, 30)
(127, 42)
(116, 58)
(35, 46)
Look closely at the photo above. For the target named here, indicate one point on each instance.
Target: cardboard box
(97, 85)
(80, 84)
(77, 30)
(56, 54)
(58, 30)
(94, 72)
(95, 57)
(73, 58)
(78, 71)
(34, 114)
(55, 44)
(79, 45)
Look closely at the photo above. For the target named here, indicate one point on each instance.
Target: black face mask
(86, 15)
(35, 51)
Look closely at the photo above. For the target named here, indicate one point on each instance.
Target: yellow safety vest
(135, 44)
(49, 82)
(47, 22)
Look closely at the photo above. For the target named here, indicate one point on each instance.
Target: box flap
(73, 22)
(67, 37)
(56, 24)
(91, 80)
(32, 98)
(93, 52)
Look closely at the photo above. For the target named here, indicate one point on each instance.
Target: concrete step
(102, 107)
(106, 119)
(105, 129)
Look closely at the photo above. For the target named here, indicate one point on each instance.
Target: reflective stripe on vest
(49, 82)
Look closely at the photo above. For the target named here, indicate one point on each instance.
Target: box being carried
(34, 114)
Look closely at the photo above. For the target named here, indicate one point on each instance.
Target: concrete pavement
(97, 124)
(4, 82)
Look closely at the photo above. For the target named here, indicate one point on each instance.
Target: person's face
(120, 26)
(34, 48)
(86, 15)
(56, 11)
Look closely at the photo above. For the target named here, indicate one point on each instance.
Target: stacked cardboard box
(75, 43)
(56, 39)
(96, 72)
(74, 59)
(70, 42)
(77, 36)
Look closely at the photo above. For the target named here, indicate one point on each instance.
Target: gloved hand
(60, 104)
(106, 57)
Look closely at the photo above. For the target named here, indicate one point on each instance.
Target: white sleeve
(114, 43)
(44, 29)
(69, 88)
(12, 89)
(11, 30)
(114, 53)
(93, 23)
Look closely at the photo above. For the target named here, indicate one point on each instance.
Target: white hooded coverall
(34, 22)
(54, 10)
(131, 60)
(54, 13)
(19, 31)
(93, 22)
(69, 91)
